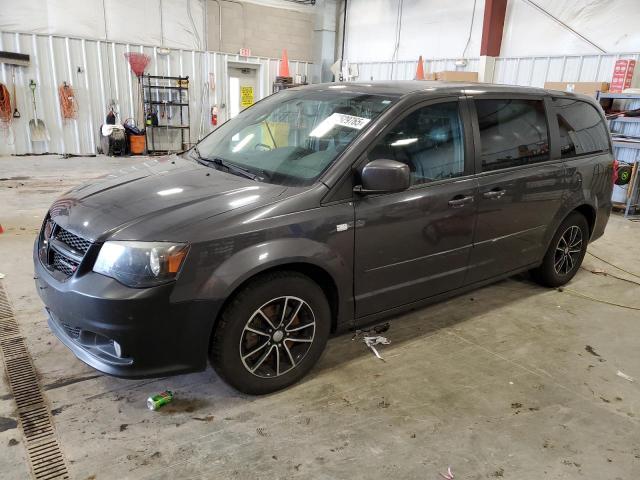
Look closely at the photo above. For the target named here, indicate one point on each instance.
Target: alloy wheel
(277, 337)
(568, 250)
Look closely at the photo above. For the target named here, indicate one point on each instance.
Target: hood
(155, 200)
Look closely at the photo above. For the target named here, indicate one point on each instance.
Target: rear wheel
(272, 333)
(565, 253)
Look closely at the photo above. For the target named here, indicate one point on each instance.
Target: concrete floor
(498, 383)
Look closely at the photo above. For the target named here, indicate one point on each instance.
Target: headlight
(141, 264)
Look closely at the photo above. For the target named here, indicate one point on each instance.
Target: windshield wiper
(232, 167)
(220, 162)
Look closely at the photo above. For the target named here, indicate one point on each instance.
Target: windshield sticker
(341, 119)
(350, 121)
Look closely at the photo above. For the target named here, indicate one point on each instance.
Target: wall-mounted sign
(245, 52)
(246, 96)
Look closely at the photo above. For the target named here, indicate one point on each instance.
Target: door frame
(240, 64)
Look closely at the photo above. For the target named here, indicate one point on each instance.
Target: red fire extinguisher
(214, 116)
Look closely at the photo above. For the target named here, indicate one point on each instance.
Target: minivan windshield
(292, 137)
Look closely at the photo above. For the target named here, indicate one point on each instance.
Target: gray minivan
(321, 209)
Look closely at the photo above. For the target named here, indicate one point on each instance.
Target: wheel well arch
(589, 213)
(318, 274)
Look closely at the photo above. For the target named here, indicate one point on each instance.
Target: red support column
(493, 24)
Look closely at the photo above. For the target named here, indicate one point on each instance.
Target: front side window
(429, 140)
(512, 133)
(292, 137)
(581, 127)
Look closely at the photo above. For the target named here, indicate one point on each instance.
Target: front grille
(73, 332)
(63, 264)
(55, 257)
(77, 243)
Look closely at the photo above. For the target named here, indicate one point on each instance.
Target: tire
(566, 251)
(278, 350)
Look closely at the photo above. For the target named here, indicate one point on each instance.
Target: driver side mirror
(384, 176)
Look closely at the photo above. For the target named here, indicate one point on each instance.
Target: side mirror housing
(384, 176)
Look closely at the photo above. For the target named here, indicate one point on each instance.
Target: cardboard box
(623, 73)
(586, 88)
(456, 76)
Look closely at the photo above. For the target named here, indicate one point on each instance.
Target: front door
(520, 186)
(415, 244)
(243, 88)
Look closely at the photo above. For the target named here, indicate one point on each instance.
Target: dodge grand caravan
(321, 209)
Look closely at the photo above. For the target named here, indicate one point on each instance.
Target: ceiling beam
(492, 27)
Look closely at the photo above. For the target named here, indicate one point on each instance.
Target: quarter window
(582, 130)
(429, 140)
(512, 133)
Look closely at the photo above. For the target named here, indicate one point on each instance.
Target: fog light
(117, 348)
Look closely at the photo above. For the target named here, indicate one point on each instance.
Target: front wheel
(565, 253)
(272, 333)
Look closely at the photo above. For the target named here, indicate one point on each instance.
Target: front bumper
(89, 311)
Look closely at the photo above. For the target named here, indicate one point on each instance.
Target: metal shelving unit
(167, 98)
(606, 99)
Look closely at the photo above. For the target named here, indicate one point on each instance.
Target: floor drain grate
(45, 455)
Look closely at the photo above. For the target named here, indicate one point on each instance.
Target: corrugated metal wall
(529, 71)
(99, 73)
(406, 70)
(534, 71)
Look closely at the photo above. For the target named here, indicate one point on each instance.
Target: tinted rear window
(582, 130)
(512, 132)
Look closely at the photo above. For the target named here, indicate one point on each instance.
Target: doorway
(243, 87)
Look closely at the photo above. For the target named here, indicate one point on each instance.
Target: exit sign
(245, 52)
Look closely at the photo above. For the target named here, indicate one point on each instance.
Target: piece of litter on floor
(381, 328)
(371, 342)
(625, 376)
(448, 475)
(373, 331)
(157, 401)
(1, 275)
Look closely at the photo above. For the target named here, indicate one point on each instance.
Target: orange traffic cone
(283, 70)
(420, 69)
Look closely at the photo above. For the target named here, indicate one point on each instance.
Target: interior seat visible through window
(429, 140)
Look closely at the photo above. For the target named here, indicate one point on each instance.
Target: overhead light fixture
(404, 141)
(323, 128)
(242, 143)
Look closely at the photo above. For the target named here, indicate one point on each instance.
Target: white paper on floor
(371, 342)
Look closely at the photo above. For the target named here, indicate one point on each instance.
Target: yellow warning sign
(246, 97)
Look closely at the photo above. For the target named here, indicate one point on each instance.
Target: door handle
(494, 194)
(459, 201)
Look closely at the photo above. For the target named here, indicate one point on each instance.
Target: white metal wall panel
(535, 71)
(406, 70)
(528, 71)
(100, 74)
